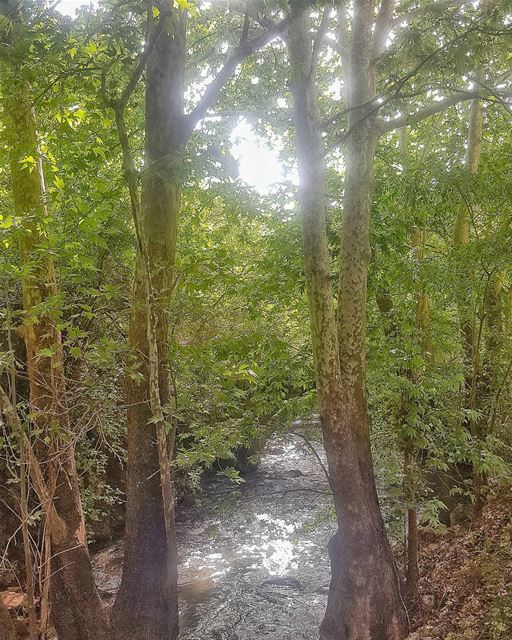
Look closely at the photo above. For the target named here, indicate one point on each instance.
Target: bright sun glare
(259, 163)
(68, 7)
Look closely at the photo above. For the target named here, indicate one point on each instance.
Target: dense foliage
(239, 353)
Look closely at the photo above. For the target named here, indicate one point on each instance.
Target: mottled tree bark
(78, 612)
(364, 599)
(147, 603)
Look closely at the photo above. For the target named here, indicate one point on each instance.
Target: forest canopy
(237, 234)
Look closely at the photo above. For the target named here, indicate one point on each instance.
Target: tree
(353, 610)
(150, 565)
(364, 596)
(78, 612)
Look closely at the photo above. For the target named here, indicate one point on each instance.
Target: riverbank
(466, 579)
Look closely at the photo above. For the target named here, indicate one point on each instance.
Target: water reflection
(263, 551)
(254, 561)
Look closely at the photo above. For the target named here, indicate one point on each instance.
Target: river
(252, 557)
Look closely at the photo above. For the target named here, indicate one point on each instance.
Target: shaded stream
(253, 557)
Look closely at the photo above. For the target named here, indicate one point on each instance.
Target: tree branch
(437, 107)
(317, 44)
(245, 28)
(241, 52)
(141, 64)
(414, 13)
(315, 453)
(398, 84)
(500, 98)
(13, 420)
(382, 27)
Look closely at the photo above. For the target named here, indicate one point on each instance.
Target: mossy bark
(77, 611)
(364, 600)
(147, 602)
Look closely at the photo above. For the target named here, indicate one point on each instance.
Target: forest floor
(466, 579)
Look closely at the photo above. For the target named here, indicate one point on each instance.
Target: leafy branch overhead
(255, 266)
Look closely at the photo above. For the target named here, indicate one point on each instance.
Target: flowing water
(253, 557)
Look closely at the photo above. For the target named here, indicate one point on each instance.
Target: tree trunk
(461, 239)
(495, 338)
(470, 343)
(489, 379)
(422, 326)
(364, 599)
(413, 572)
(78, 612)
(147, 602)
(27, 547)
